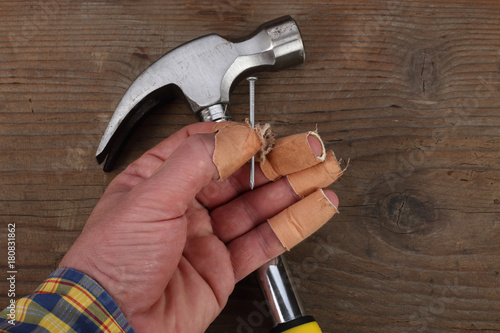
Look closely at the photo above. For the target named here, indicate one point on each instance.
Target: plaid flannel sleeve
(67, 301)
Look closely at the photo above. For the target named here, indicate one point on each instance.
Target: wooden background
(409, 91)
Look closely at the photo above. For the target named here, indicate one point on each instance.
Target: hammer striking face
(203, 72)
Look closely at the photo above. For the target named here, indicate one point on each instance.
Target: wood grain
(408, 91)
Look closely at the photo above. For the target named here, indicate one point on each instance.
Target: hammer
(203, 72)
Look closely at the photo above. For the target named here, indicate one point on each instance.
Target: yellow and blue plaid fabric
(67, 301)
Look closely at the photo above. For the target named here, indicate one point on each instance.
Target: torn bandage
(291, 154)
(319, 176)
(302, 219)
(235, 144)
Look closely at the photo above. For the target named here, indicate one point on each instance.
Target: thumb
(171, 189)
(198, 160)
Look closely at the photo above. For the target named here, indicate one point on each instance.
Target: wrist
(80, 258)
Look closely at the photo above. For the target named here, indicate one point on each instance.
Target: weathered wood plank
(409, 91)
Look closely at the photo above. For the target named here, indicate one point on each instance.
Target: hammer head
(203, 72)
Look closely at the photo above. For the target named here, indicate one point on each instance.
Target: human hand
(168, 240)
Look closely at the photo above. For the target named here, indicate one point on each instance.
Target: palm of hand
(179, 268)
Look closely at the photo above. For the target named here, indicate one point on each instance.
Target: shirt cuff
(67, 301)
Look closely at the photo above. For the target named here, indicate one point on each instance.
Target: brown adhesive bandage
(302, 219)
(319, 176)
(235, 144)
(291, 154)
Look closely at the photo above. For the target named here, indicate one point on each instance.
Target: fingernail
(318, 176)
(293, 153)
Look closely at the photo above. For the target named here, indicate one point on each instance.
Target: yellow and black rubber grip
(305, 324)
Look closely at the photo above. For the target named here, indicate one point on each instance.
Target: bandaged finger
(318, 176)
(291, 154)
(235, 144)
(302, 219)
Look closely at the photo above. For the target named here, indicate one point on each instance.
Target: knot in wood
(407, 213)
(423, 71)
